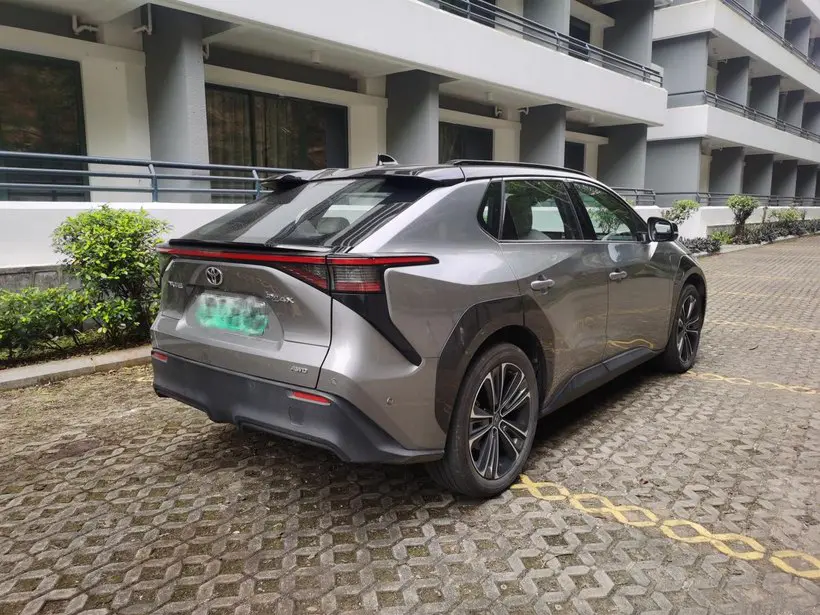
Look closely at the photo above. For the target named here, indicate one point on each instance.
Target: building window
(574, 155)
(580, 31)
(464, 142)
(41, 110)
(255, 129)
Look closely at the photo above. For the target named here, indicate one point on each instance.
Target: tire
(501, 434)
(681, 350)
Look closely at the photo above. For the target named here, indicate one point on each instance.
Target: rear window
(331, 213)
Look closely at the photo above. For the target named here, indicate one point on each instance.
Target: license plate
(237, 314)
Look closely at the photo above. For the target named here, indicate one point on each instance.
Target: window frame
(575, 222)
(588, 229)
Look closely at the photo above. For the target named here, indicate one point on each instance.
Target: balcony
(718, 199)
(703, 97)
(490, 15)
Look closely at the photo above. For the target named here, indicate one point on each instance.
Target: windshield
(330, 213)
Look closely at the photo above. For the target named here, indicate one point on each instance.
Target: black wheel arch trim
(477, 325)
(687, 270)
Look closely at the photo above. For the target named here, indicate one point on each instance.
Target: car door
(640, 284)
(559, 274)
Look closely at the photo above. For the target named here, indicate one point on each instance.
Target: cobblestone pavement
(688, 494)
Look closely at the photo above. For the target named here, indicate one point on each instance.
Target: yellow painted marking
(636, 343)
(736, 380)
(760, 325)
(733, 545)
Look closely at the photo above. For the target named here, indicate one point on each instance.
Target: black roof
(452, 172)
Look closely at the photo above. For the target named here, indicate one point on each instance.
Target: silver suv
(433, 314)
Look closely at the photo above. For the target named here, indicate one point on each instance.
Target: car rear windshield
(330, 213)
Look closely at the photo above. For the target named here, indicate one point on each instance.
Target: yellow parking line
(760, 325)
(734, 545)
(740, 381)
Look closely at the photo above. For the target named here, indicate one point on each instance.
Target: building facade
(743, 78)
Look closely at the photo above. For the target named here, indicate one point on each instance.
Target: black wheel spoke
(688, 330)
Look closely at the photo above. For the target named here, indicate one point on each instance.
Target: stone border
(52, 371)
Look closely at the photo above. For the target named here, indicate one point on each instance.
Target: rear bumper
(264, 405)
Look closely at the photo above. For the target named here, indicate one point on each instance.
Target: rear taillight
(337, 274)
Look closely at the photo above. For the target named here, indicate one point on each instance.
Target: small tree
(112, 253)
(681, 210)
(742, 206)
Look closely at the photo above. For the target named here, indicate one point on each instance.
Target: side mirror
(662, 230)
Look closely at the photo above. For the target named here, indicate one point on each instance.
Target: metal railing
(487, 13)
(639, 197)
(683, 99)
(768, 30)
(719, 199)
(65, 177)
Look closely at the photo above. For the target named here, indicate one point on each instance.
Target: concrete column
(773, 13)
(684, 61)
(733, 80)
(631, 36)
(622, 161)
(412, 117)
(798, 32)
(553, 14)
(806, 181)
(814, 49)
(673, 167)
(764, 94)
(726, 170)
(543, 134)
(791, 110)
(175, 89)
(811, 117)
(757, 174)
(784, 178)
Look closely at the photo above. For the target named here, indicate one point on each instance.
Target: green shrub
(790, 214)
(702, 244)
(112, 253)
(681, 210)
(34, 318)
(724, 237)
(742, 206)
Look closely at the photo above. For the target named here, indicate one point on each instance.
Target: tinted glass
(324, 213)
(611, 219)
(464, 142)
(538, 210)
(489, 214)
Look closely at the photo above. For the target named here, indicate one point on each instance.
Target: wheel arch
(482, 326)
(688, 273)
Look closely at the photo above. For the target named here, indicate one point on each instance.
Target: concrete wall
(543, 134)
(674, 166)
(733, 80)
(726, 170)
(631, 36)
(553, 14)
(764, 95)
(412, 117)
(757, 174)
(684, 61)
(622, 161)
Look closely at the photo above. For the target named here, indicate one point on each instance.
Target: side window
(538, 210)
(489, 213)
(611, 219)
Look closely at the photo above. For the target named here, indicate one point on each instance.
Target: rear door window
(331, 213)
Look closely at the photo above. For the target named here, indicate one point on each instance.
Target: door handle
(617, 276)
(543, 285)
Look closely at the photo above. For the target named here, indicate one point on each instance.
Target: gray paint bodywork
(585, 329)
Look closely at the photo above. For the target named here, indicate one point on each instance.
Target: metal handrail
(488, 14)
(641, 197)
(727, 104)
(771, 32)
(720, 198)
(156, 180)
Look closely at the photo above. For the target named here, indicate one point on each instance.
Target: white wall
(715, 16)
(484, 55)
(26, 227)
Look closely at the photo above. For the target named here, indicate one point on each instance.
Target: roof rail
(501, 163)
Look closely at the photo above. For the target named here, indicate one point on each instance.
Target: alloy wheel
(689, 324)
(499, 421)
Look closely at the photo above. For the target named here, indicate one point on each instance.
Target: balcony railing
(768, 30)
(718, 199)
(639, 197)
(700, 97)
(52, 177)
(488, 14)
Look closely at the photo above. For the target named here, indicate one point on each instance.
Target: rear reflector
(338, 274)
(309, 397)
(159, 356)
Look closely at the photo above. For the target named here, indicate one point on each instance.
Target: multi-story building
(743, 78)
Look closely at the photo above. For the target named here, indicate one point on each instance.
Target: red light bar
(243, 256)
(381, 260)
(309, 397)
(159, 356)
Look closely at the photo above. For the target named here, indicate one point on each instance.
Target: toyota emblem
(214, 276)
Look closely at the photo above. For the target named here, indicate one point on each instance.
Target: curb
(53, 371)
